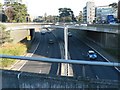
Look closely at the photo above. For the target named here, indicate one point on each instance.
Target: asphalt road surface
(42, 48)
(77, 50)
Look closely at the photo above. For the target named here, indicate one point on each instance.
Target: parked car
(92, 54)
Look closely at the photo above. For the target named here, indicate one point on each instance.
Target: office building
(89, 12)
(103, 11)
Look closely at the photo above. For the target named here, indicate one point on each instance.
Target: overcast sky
(40, 7)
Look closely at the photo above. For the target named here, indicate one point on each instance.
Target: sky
(50, 7)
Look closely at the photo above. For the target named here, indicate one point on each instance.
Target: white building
(89, 12)
(103, 11)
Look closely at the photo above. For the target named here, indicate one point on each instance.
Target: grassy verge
(11, 49)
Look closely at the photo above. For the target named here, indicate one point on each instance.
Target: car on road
(51, 41)
(76, 24)
(83, 24)
(69, 34)
(43, 33)
(92, 54)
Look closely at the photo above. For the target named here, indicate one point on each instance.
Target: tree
(10, 13)
(80, 17)
(0, 5)
(16, 12)
(4, 35)
(114, 6)
(66, 15)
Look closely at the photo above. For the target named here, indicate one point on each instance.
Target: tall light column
(66, 42)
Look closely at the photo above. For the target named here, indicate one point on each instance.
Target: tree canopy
(114, 5)
(66, 15)
(16, 12)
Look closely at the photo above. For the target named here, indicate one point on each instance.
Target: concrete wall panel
(18, 35)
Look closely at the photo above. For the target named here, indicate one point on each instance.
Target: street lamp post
(66, 41)
(66, 66)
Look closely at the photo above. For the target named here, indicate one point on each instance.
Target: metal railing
(51, 60)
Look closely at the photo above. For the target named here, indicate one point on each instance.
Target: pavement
(88, 41)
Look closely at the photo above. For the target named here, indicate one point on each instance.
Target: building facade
(89, 12)
(103, 11)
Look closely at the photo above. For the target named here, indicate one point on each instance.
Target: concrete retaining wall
(103, 39)
(19, 35)
(16, 79)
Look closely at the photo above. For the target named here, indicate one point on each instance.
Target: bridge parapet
(19, 79)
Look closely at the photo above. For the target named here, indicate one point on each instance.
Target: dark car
(43, 33)
(51, 41)
(69, 34)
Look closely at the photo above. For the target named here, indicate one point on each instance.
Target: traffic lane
(52, 51)
(55, 53)
(77, 69)
(36, 67)
(34, 42)
(59, 33)
(100, 71)
(76, 53)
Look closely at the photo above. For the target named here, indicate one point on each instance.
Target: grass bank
(11, 49)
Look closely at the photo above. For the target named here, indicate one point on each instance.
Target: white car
(92, 54)
(83, 24)
(76, 24)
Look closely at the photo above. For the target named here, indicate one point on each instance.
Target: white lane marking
(97, 77)
(22, 65)
(30, 55)
(102, 56)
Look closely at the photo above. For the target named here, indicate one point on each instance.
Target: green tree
(0, 5)
(3, 17)
(10, 13)
(17, 12)
(114, 6)
(80, 17)
(66, 15)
